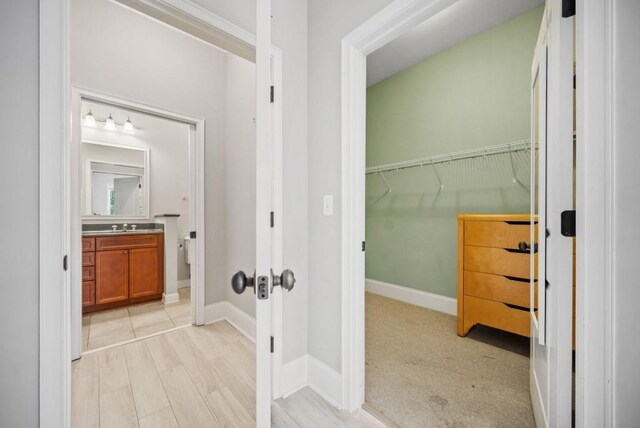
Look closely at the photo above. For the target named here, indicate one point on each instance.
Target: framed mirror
(115, 181)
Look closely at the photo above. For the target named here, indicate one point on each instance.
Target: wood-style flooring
(106, 328)
(188, 377)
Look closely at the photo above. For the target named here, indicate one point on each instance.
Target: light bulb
(128, 126)
(89, 120)
(110, 124)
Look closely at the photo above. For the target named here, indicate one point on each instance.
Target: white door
(552, 193)
(264, 280)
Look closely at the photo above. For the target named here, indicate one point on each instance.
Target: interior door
(551, 195)
(263, 278)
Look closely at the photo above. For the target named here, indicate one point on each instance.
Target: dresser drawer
(496, 315)
(498, 288)
(126, 242)
(498, 234)
(497, 261)
(88, 244)
(88, 259)
(88, 273)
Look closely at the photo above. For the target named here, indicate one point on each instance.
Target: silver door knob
(286, 280)
(240, 281)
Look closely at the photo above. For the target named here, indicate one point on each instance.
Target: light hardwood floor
(188, 377)
(106, 328)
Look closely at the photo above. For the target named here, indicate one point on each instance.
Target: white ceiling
(459, 22)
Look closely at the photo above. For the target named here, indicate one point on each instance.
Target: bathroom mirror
(115, 181)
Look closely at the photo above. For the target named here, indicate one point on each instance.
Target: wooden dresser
(118, 270)
(493, 272)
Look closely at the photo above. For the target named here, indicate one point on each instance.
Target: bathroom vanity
(121, 268)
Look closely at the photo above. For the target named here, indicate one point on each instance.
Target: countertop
(120, 232)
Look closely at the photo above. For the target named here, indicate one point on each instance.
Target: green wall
(472, 95)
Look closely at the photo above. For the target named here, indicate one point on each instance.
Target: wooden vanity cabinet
(128, 269)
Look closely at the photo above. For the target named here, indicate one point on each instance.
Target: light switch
(327, 205)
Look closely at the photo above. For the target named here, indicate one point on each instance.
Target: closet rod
(513, 147)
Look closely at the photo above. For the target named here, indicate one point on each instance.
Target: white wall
(128, 55)
(289, 32)
(168, 144)
(329, 22)
(626, 203)
(241, 176)
(19, 215)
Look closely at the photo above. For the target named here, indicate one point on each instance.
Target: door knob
(240, 281)
(523, 246)
(286, 280)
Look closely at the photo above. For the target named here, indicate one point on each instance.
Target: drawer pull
(519, 308)
(515, 278)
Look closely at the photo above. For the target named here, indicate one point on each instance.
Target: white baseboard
(184, 283)
(413, 297)
(325, 381)
(241, 320)
(293, 376)
(170, 298)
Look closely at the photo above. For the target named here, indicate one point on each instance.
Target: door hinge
(273, 96)
(192, 234)
(568, 8)
(272, 344)
(568, 223)
(364, 246)
(272, 220)
(65, 262)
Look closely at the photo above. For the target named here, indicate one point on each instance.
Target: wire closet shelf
(513, 147)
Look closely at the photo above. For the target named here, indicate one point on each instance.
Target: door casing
(593, 46)
(55, 166)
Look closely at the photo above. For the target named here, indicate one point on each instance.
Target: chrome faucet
(124, 227)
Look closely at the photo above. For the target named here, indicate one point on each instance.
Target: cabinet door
(143, 272)
(88, 293)
(112, 276)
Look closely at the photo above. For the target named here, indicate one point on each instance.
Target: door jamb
(594, 208)
(54, 141)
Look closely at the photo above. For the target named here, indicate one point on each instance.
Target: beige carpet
(419, 373)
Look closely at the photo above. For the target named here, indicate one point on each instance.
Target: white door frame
(55, 208)
(196, 201)
(594, 57)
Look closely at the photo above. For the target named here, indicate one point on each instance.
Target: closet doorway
(448, 224)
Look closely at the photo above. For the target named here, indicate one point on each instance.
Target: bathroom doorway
(137, 208)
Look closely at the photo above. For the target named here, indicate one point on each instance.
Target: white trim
(294, 376)
(54, 242)
(399, 16)
(184, 283)
(594, 210)
(411, 296)
(325, 381)
(197, 205)
(193, 19)
(227, 311)
(170, 298)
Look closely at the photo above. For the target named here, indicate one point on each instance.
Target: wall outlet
(327, 205)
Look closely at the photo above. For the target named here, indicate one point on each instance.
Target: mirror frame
(86, 194)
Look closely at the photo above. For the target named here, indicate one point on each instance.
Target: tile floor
(107, 328)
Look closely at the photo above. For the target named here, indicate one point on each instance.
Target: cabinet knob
(523, 246)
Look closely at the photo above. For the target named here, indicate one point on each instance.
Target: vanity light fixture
(89, 120)
(110, 124)
(128, 126)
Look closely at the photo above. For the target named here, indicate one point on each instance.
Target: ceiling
(461, 21)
